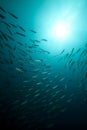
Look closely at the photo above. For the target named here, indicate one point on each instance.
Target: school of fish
(34, 81)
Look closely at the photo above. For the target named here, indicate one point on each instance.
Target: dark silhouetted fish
(62, 51)
(20, 43)
(11, 38)
(4, 36)
(7, 45)
(9, 31)
(44, 40)
(2, 9)
(2, 16)
(13, 25)
(1, 45)
(6, 24)
(21, 28)
(14, 16)
(1, 37)
(21, 34)
(33, 31)
(37, 41)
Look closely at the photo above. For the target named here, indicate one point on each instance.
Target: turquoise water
(43, 78)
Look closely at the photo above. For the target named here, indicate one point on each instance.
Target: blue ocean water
(43, 80)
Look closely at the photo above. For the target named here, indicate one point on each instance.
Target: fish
(33, 31)
(45, 51)
(9, 31)
(7, 24)
(78, 50)
(62, 51)
(4, 36)
(26, 81)
(14, 16)
(35, 76)
(54, 87)
(13, 25)
(62, 96)
(21, 34)
(21, 28)
(45, 72)
(2, 9)
(24, 103)
(63, 109)
(72, 51)
(39, 61)
(62, 79)
(11, 38)
(86, 75)
(9, 61)
(11, 54)
(37, 41)
(20, 43)
(2, 16)
(18, 69)
(44, 40)
(1, 45)
(39, 83)
(6, 44)
(69, 100)
(1, 37)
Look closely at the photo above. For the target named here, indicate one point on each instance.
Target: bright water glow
(61, 31)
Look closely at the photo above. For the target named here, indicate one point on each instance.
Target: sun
(61, 31)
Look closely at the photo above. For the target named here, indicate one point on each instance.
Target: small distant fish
(44, 40)
(13, 25)
(23, 103)
(20, 43)
(62, 79)
(7, 45)
(62, 51)
(2, 16)
(45, 51)
(78, 50)
(63, 110)
(72, 50)
(14, 47)
(33, 41)
(35, 76)
(38, 83)
(11, 38)
(45, 72)
(9, 31)
(33, 31)
(1, 45)
(36, 95)
(21, 28)
(54, 87)
(45, 78)
(37, 41)
(4, 36)
(86, 75)
(14, 16)
(18, 69)
(66, 86)
(21, 34)
(69, 100)
(8, 25)
(26, 81)
(62, 96)
(38, 61)
(2, 9)
(1, 37)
